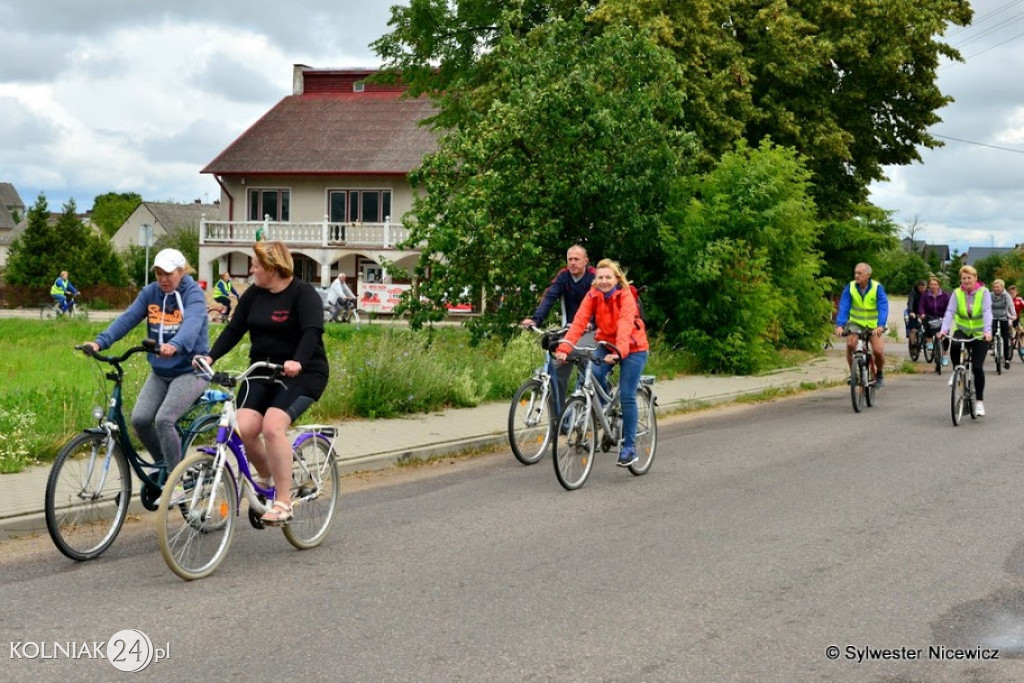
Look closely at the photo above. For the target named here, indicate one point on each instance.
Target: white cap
(169, 260)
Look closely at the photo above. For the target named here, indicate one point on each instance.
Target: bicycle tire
(957, 395)
(194, 533)
(530, 423)
(315, 491)
(856, 393)
(997, 352)
(81, 520)
(929, 353)
(573, 451)
(914, 348)
(1020, 348)
(47, 312)
(646, 432)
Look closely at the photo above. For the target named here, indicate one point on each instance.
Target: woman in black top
(284, 318)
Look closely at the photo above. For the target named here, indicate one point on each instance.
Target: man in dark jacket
(568, 288)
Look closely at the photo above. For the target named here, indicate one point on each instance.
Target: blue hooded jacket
(177, 318)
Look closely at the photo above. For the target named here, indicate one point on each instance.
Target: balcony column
(387, 231)
(325, 232)
(202, 229)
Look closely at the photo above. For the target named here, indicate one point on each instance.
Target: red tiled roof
(333, 133)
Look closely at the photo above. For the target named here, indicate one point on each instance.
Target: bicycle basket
(934, 324)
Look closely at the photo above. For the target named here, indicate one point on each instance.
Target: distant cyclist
(568, 289)
(60, 290)
(931, 309)
(1018, 305)
(913, 321)
(1003, 313)
(340, 296)
(223, 291)
(969, 316)
(864, 306)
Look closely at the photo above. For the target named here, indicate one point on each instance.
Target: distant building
(326, 171)
(975, 254)
(165, 217)
(926, 250)
(10, 204)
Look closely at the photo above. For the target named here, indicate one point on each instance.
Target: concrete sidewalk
(377, 444)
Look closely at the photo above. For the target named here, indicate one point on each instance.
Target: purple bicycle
(203, 494)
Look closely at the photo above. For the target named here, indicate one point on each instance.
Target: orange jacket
(616, 319)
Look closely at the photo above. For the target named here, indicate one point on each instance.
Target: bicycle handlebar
(584, 351)
(228, 379)
(147, 345)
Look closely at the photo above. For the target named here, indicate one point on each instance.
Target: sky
(138, 96)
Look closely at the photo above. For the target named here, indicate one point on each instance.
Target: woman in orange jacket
(611, 303)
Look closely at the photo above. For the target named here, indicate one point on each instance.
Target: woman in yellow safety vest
(969, 316)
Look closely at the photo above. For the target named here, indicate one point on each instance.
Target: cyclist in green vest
(223, 291)
(864, 306)
(969, 315)
(60, 290)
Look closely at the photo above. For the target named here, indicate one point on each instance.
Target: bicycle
(1017, 342)
(862, 371)
(962, 383)
(532, 412)
(218, 314)
(89, 486)
(347, 313)
(52, 309)
(915, 341)
(593, 416)
(932, 344)
(997, 348)
(195, 528)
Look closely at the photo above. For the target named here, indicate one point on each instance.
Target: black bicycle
(89, 487)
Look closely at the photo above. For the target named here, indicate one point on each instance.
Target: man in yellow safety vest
(864, 306)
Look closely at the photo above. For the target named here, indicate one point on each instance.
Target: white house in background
(165, 217)
(325, 170)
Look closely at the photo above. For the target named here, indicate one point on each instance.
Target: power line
(979, 144)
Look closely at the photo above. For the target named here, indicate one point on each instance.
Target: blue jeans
(632, 366)
(59, 298)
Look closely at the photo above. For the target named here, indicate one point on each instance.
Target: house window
(273, 203)
(358, 206)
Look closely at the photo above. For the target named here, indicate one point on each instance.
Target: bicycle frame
(229, 442)
(607, 402)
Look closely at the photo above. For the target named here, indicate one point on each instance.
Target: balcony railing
(323, 233)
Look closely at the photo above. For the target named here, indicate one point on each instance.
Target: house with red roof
(326, 171)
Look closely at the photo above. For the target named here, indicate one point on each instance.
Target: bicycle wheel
(929, 353)
(86, 500)
(1020, 346)
(997, 353)
(315, 491)
(856, 389)
(79, 312)
(958, 395)
(530, 421)
(913, 347)
(194, 529)
(47, 312)
(646, 432)
(574, 444)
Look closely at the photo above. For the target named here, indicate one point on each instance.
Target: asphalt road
(763, 536)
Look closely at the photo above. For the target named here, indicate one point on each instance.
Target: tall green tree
(574, 138)
(35, 256)
(111, 210)
(741, 261)
(850, 84)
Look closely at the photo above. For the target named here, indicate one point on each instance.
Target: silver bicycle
(592, 418)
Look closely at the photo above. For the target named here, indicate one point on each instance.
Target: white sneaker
(979, 409)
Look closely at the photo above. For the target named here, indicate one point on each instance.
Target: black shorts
(294, 398)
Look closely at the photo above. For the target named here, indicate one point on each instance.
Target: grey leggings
(160, 403)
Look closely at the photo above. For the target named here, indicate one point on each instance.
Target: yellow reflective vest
(972, 322)
(864, 309)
